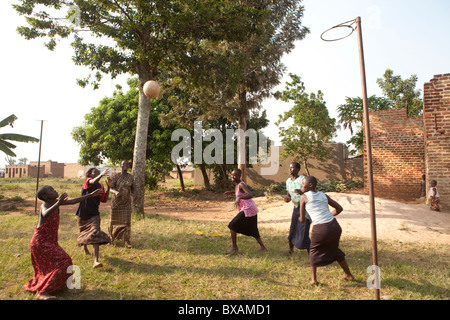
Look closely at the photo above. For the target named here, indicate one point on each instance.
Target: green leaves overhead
(158, 33)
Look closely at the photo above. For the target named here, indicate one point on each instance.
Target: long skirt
(245, 225)
(435, 204)
(120, 224)
(324, 248)
(90, 232)
(49, 260)
(299, 231)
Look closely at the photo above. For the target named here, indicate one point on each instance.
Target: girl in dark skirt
(326, 231)
(298, 231)
(89, 215)
(246, 221)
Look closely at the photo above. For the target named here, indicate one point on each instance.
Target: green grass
(176, 260)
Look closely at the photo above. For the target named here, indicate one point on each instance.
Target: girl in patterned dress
(298, 231)
(122, 188)
(246, 221)
(49, 260)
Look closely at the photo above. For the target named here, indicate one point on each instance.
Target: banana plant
(5, 145)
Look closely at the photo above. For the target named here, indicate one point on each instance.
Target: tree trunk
(223, 167)
(242, 124)
(306, 167)
(205, 176)
(140, 144)
(180, 176)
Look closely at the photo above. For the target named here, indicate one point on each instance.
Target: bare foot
(46, 297)
(97, 265)
(262, 249)
(288, 253)
(232, 251)
(314, 283)
(348, 277)
(128, 244)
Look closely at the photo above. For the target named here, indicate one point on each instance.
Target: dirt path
(395, 220)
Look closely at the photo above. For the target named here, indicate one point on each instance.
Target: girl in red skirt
(50, 261)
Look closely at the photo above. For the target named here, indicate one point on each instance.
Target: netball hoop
(349, 24)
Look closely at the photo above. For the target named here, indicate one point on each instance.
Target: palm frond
(6, 150)
(17, 137)
(8, 120)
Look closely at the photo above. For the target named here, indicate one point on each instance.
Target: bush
(338, 185)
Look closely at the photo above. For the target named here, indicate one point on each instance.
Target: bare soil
(395, 220)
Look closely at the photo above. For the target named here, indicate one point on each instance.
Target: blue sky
(407, 36)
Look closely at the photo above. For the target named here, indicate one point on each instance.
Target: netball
(151, 89)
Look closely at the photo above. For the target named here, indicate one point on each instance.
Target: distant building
(51, 169)
(46, 169)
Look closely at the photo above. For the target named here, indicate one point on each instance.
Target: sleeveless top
(431, 193)
(246, 205)
(90, 207)
(317, 207)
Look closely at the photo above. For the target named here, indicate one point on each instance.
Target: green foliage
(145, 34)
(338, 185)
(401, 92)
(5, 145)
(109, 130)
(398, 94)
(350, 115)
(311, 125)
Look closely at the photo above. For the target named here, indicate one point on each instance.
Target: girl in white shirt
(326, 231)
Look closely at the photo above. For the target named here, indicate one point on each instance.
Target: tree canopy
(310, 124)
(398, 93)
(139, 37)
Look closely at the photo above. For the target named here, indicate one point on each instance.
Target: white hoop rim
(342, 25)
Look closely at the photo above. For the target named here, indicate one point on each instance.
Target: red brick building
(403, 149)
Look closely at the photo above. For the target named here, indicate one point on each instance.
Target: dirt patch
(398, 221)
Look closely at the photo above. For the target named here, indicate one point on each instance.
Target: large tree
(241, 74)
(261, 55)
(310, 124)
(144, 37)
(5, 138)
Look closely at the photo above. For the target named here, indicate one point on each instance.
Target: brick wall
(398, 154)
(436, 117)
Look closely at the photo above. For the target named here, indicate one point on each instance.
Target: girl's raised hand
(109, 182)
(62, 198)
